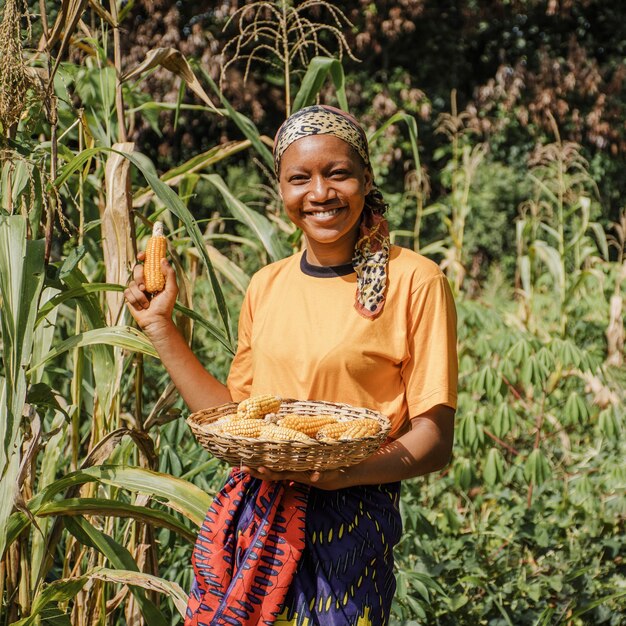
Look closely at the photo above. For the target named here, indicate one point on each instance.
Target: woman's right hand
(152, 313)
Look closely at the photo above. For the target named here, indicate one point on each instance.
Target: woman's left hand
(330, 479)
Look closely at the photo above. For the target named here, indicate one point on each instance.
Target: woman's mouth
(327, 213)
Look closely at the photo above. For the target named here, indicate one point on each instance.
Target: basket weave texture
(289, 455)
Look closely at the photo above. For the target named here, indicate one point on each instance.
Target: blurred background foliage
(498, 138)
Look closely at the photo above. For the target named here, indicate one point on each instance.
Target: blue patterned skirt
(278, 553)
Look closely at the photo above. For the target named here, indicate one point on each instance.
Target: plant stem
(285, 38)
(119, 96)
(52, 116)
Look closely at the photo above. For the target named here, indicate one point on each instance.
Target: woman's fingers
(138, 275)
(171, 286)
(264, 473)
(136, 297)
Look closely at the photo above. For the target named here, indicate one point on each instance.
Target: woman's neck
(330, 254)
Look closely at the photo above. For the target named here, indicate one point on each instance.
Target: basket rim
(338, 406)
(308, 454)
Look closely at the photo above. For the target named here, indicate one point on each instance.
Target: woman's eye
(339, 173)
(297, 178)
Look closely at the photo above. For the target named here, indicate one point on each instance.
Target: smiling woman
(349, 319)
(323, 184)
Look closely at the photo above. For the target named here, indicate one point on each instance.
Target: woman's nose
(320, 189)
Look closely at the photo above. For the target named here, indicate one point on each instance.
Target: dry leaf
(174, 61)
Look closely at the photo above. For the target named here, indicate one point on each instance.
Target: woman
(350, 319)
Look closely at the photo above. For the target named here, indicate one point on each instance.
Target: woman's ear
(369, 180)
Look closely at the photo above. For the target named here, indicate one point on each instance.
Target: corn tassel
(156, 249)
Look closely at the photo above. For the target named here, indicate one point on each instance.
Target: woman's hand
(330, 479)
(151, 312)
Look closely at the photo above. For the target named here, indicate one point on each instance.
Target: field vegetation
(115, 114)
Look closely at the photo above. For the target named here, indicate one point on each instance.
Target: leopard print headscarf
(371, 253)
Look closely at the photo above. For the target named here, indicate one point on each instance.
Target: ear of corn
(331, 432)
(156, 249)
(362, 427)
(274, 432)
(258, 407)
(243, 428)
(307, 424)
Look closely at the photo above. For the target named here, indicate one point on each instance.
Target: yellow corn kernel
(274, 432)
(362, 427)
(217, 425)
(156, 249)
(307, 424)
(331, 432)
(243, 428)
(258, 407)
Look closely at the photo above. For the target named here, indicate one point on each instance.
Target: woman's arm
(198, 388)
(423, 449)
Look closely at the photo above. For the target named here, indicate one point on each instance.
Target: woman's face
(323, 183)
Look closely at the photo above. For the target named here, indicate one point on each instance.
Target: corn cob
(217, 425)
(243, 428)
(274, 432)
(156, 248)
(307, 424)
(362, 427)
(258, 407)
(331, 432)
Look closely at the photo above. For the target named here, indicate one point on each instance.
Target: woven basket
(289, 455)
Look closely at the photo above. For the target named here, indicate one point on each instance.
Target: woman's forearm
(425, 448)
(198, 388)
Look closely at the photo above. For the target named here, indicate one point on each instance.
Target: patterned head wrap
(371, 253)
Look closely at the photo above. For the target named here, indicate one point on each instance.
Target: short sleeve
(240, 376)
(431, 370)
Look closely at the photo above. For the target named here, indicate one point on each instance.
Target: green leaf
(211, 328)
(576, 410)
(536, 468)
(119, 557)
(244, 124)
(58, 591)
(114, 508)
(493, 470)
(503, 420)
(76, 292)
(146, 581)
(121, 336)
(520, 351)
(173, 203)
(254, 220)
(463, 473)
(411, 125)
(598, 231)
(468, 431)
(180, 495)
(21, 281)
(316, 74)
(598, 602)
(41, 396)
(72, 260)
(550, 256)
(609, 424)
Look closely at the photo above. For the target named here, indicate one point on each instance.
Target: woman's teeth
(325, 213)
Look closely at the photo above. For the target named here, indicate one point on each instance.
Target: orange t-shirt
(301, 337)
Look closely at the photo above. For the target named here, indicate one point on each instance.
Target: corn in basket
(300, 435)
